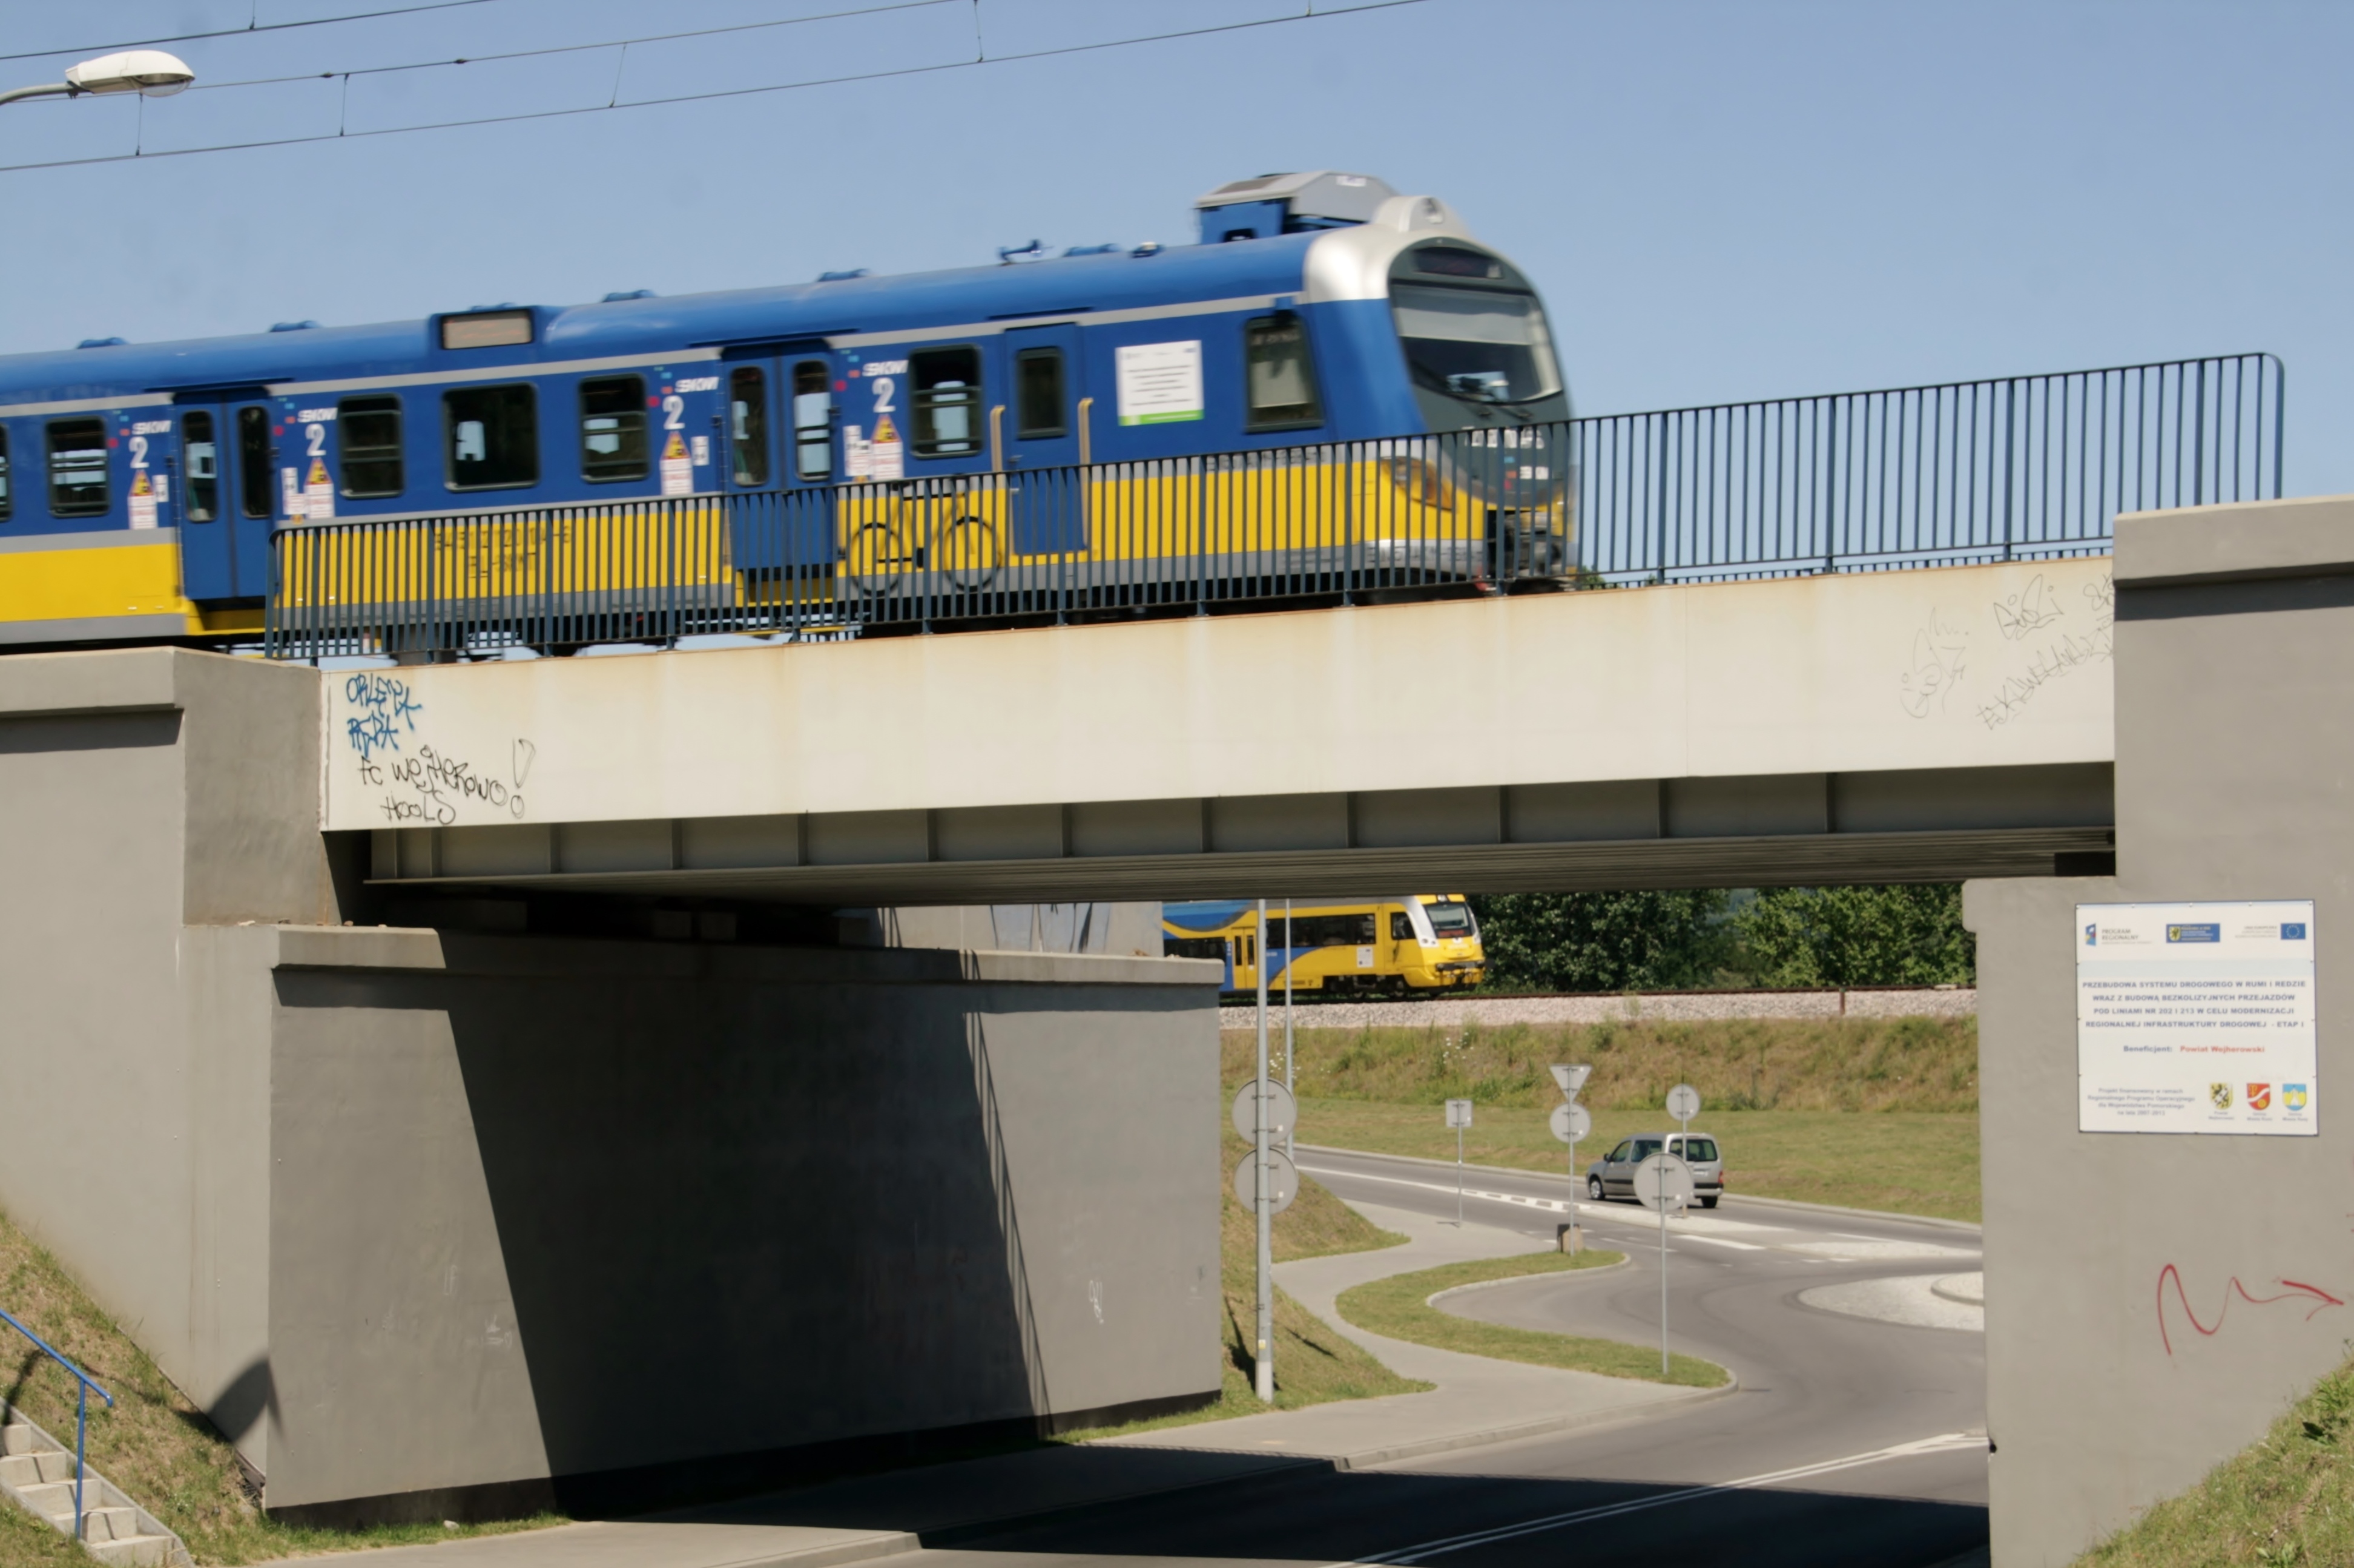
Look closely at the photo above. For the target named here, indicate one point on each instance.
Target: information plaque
(2196, 1018)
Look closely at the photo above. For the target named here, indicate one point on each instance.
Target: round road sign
(1282, 1111)
(1683, 1102)
(1282, 1176)
(1663, 1181)
(1571, 1123)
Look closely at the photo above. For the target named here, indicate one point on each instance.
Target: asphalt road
(1852, 1442)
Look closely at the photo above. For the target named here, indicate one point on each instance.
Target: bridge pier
(2156, 1300)
(449, 1222)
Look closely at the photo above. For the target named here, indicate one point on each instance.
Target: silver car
(1612, 1175)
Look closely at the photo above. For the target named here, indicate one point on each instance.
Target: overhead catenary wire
(250, 29)
(1312, 13)
(622, 43)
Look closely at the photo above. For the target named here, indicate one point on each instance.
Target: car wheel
(1593, 1188)
(1708, 1203)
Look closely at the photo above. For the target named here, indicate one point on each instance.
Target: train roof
(857, 306)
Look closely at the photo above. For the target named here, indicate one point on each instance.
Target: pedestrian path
(1477, 1401)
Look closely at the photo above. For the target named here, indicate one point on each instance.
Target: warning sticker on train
(318, 491)
(143, 502)
(887, 455)
(677, 468)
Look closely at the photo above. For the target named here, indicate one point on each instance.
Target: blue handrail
(82, 1417)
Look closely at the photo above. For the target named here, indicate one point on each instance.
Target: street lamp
(151, 72)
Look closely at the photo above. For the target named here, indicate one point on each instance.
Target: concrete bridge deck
(1901, 725)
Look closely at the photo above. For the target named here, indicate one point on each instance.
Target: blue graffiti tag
(387, 709)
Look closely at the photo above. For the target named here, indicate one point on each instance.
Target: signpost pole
(1459, 1117)
(1290, 1134)
(1663, 1275)
(1266, 1358)
(1573, 1190)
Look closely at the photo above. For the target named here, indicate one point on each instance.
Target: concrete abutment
(440, 1223)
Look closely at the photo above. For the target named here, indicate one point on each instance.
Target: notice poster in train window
(1160, 383)
(2196, 1018)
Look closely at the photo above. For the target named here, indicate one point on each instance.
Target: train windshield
(1484, 346)
(1451, 920)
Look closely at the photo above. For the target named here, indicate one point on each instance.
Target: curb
(897, 1544)
(1971, 1226)
(1542, 1427)
(1432, 1300)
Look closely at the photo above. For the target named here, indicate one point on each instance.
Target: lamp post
(149, 72)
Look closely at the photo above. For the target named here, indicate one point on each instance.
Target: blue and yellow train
(1413, 942)
(154, 491)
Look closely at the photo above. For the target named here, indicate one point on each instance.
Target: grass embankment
(1869, 1113)
(1400, 1307)
(1312, 1363)
(2287, 1500)
(154, 1443)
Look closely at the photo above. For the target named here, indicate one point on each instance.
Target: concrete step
(136, 1552)
(19, 1438)
(112, 1522)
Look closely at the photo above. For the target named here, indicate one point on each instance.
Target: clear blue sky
(1720, 198)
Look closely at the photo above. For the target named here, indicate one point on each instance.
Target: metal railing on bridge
(2020, 468)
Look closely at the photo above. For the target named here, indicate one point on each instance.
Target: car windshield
(1485, 345)
(1451, 919)
(1702, 1149)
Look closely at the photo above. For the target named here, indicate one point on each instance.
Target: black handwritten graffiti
(387, 710)
(2064, 656)
(1939, 653)
(2030, 609)
(437, 786)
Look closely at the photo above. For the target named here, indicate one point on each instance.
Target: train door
(224, 495)
(809, 387)
(1045, 439)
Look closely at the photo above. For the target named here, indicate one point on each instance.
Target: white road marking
(1946, 1442)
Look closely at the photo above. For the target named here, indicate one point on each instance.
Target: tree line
(1785, 937)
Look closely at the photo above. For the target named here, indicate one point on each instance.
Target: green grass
(2287, 1500)
(1900, 1163)
(154, 1444)
(1399, 1307)
(1313, 1364)
(1865, 1113)
(1928, 1064)
(26, 1541)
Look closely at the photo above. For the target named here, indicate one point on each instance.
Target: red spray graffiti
(2313, 1296)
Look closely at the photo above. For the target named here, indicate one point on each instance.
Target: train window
(613, 429)
(493, 437)
(945, 404)
(77, 467)
(371, 446)
(1481, 345)
(1038, 403)
(1282, 379)
(813, 420)
(253, 461)
(1401, 929)
(487, 329)
(7, 501)
(200, 467)
(1193, 947)
(1451, 919)
(747, 424)
(1331, 930)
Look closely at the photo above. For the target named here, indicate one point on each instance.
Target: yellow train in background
(1423, 941)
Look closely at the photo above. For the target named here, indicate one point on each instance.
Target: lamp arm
(46, 90)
